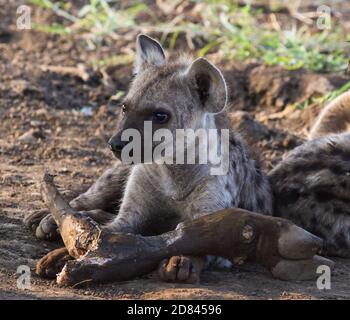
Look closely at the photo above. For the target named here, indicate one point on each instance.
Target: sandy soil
(44, 126)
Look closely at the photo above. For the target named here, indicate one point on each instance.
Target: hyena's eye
(160, 117)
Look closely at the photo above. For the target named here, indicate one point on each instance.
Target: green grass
(232, 31)
(239, 36)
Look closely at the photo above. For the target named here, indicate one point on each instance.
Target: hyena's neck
(181, 179)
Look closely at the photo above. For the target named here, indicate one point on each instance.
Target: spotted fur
(311, 185)
(311, 188)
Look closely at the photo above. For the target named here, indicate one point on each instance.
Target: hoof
(297, 243)
(295, 270)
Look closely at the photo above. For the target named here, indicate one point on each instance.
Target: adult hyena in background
(312, 184)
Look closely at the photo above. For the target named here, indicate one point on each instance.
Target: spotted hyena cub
(152, 198)
(312, 184)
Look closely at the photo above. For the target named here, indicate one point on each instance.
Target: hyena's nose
(116, 145)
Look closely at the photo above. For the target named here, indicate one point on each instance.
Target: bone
(79, 232)
(286, 250)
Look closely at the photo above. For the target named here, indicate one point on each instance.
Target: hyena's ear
(148, 52)
(210, 84)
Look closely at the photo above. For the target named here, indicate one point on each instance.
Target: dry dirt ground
(44, 125)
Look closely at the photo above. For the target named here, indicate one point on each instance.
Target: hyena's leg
(188, 269)
(144, 209)
(312, 188)
(100, 202)
(143, 214)
(106, 193)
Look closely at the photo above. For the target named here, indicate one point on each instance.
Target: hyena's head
(170, 95)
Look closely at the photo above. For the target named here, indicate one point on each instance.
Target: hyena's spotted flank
(312, 188)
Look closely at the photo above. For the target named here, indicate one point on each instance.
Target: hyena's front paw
(41, 222)
(43, 225)
(51, 264)
(180, 269)
(32, 221)
(47, 229)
